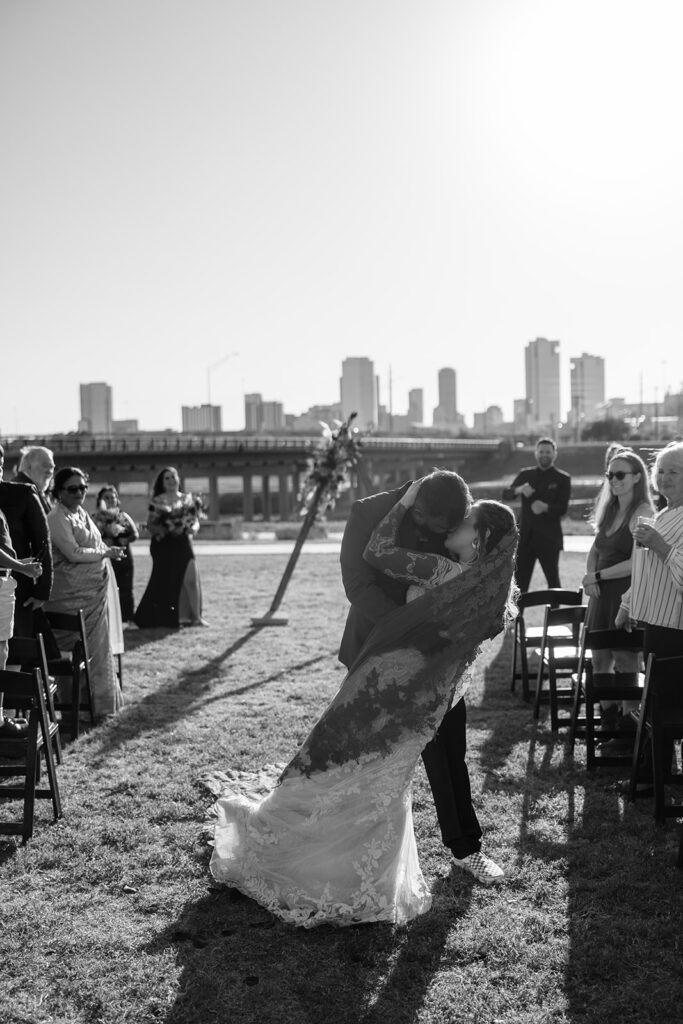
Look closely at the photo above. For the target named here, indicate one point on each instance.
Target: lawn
(110, 916)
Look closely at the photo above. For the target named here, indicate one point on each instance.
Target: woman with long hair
(333, 841)
(173, 597)
(623, 498)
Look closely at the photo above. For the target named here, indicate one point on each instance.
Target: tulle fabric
(332, 840)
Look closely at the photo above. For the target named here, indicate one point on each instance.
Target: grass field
(110, 916)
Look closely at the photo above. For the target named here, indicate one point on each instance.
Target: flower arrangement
(173, 522)
(328, 467)
(110, 522)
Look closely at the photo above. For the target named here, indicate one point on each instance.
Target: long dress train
(333, 841)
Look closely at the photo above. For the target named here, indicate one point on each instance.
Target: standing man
(544, 491)
(24, 505)
(441, 505)
(36, 467)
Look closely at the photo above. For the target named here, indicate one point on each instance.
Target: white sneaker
(483, 868)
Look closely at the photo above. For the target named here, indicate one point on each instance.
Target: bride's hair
(494, 520)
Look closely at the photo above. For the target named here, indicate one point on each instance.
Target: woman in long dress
(119, 530)
(173, 597)
(333, 841)
(82, 579)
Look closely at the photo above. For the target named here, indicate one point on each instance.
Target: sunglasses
(76, 489)
(619, 474)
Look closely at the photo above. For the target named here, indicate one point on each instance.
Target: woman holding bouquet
(173, 597)
(119, 530)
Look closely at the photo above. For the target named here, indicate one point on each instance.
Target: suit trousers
(444, 761)
(528, 553)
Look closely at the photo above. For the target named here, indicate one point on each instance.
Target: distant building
(252, 413)
(125, 427)
(490, 422)
(96, 405)
(542, 364)
(272, 416)
(416, 406)
(587, 376)
(317, 414)
(358, 391)
(446, 412)
(520, 415)
(202, 418)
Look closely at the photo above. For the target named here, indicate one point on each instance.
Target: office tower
(542, 361)
(445, 413)
(587, 382)
(252, 412)
(272, 416)
(416, 406)
(96, 403)
(205, 418)
(358, 389)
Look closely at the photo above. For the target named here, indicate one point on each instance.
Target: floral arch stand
(328, 475)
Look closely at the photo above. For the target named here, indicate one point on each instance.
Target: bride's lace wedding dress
(331, 839)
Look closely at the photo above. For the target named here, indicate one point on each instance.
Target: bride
(332, 841)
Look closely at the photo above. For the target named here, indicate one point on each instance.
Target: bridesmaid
(119, 530)
(173, 597)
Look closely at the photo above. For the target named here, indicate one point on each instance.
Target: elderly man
(24, 505)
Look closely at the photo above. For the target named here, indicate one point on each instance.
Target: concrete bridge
(262, 475)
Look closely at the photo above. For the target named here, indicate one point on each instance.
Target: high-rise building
(587, 382)
(542, 361)
(358, 389)
(96, 404)
(272, 416)
(206, 418)
(446, 412)
(252, 412)
(416, 406)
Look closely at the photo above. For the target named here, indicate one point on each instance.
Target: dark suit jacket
(21, 478)
(30, 536)
(371, 593)
(552, 486)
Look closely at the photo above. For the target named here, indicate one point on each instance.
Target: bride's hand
(408, 499)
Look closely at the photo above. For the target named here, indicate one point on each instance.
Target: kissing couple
(429, 575)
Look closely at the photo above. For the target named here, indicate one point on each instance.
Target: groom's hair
(443, 500)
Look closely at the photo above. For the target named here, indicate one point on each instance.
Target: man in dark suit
(36, 467)
(441, 505)
(544, 491)
(20, 502)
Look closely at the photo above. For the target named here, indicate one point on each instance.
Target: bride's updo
(493, 521)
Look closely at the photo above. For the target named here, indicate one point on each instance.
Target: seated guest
(31, 539)
(81, 580)
(36, 467)
(119, 530)
(31, 568)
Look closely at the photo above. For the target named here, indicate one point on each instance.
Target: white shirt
(656, 592)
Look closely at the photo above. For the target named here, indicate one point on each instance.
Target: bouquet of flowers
(328, 468)
(110, 522)
(173, 522)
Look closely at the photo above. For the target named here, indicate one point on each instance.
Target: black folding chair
(661, 721)
(29, 652)
(525, 636)
(74, 666)
(558, 659)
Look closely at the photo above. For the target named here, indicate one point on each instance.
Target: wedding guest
(82, 580)
(544, 491)
(119, 530)
(31, 539)
(173, 597)
(36, 467)
(624, 497)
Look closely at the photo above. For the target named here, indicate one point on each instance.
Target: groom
(442, 504)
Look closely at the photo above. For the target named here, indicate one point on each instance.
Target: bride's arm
(383, 553)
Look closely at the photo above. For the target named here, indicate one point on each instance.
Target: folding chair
(559, 656)
(75, 665)
(24, 690)
(587, 693)
(660, 720)
(525, 636)
(29, 652)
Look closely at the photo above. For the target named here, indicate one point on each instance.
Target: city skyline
(211, 200)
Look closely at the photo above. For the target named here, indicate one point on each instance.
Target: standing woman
(173, 596)
(119, 530)
(81, 580)
(655, 599)
(623, 498)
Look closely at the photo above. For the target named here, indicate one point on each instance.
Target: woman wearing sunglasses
(81, 580)
(623, 498)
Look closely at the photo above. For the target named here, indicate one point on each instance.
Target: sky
(214, 197)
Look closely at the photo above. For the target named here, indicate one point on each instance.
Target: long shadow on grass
(240, 964)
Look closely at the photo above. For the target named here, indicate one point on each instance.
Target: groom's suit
(372, 595)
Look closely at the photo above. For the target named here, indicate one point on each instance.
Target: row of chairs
(33, 692)
(564, 680)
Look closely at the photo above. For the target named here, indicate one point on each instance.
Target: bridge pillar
(247, 498)
(283, 496)
(214, 509)
(265, 497)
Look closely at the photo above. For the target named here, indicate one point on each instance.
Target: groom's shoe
(483, 868)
